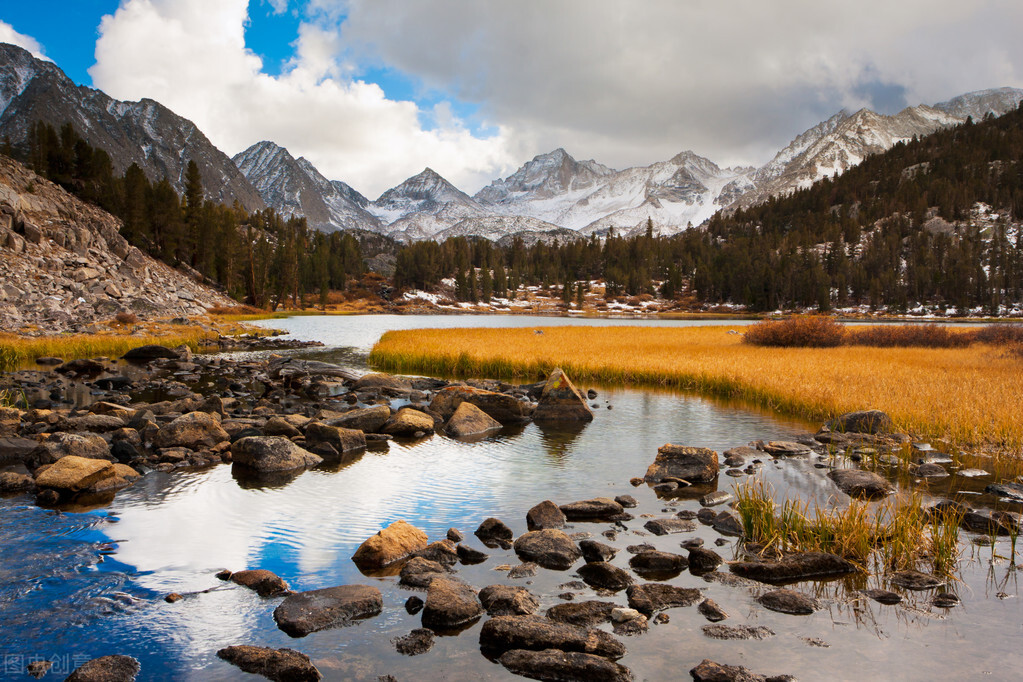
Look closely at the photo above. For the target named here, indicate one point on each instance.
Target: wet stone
(545, 515)
(627, 501)
(715, 498)
(596, 551)
(945, 600)
(106, 669)
(737, 631)
(669, 526)
(710, 610)
(788, 601)
(283, 665)
(915, 580)
(649, 598)
(469, 556)
(703, 560)
(601, 508)
(450, 604)
(524, 570)
(305, 612)
(508, 600)
(603, 575)
(882, 596)
(552, 664)
(658, 565)
(414, 605)
(793, 567)
(507, 633)
(419, 641)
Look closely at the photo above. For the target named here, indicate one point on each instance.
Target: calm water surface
(80, 585)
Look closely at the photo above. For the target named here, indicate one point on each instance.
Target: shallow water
(88, 584)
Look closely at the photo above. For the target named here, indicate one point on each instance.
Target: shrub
(1000, 334)
(124, 317)
(815, 331)
(235, 310)
(908, 335)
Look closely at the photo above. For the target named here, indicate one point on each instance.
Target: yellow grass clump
(970, 396)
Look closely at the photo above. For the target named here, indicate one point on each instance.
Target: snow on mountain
(496, 227)
(294, 187)
(978, 104)
(422, 206)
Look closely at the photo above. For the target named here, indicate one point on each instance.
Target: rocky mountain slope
(424, 205)
(64, 264)
(294, 187)
(145, 132)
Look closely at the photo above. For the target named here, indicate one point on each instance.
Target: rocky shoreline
(274, 418)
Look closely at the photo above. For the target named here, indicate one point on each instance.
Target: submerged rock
(860, 483)
(915, 580)
(882, 596)
(556, 665)
(507, 633)
(695, 465)
(709, 671)
(583, 613)
(305, 612)
(737, 631)
(106, 669)
(649, 598)
(280, 665)
(397, 541)
(793, 567)
(419, 641)
(788, 601)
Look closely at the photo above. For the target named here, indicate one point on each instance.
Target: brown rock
(533, 633)
(268, 454)
(549, 548)
(793, 567)
(561, 401)
(696, 465)
(860, 483)
(106, 669)
(280, 665)
(596, 508)
(469, 420)
(450, 604)
(366, 419)
(501, 407)
(305, 612)
(265, 583)
(552, 664)
(73, 473)
(408, 422)
(342, 439)
(649, 598)
(395, 542)
(59, 445)
(508, 600)
(195, 430)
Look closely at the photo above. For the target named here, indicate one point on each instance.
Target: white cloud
(9, 35)
(191, 56)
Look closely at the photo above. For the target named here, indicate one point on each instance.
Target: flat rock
(561, 401)
(860, 483)
(533, 633)
(649, 598)
(1010, 491)
(669, 526)
(508, 600)
(882, 596)
(788, 601)
(709, 671)
(727, 523)
(737, 631)
(874, 422)
(715, 498)
(794, 567)
(930, 470)
(784, 448)
(602, 508)
(340, 438)
(553, 664)
(73, 474)
(195, 431)
(605, 576)
(915, 580)
(450, 604)
(280, 665)
(106, 669)
(407, 422)
(268, 454)
(265, 583)
(549, 548)
(382, 381)
(545, 515)
(365, 419)
(695, 465)
(469, 420)
(583, 613)
(305, 612)
(658, 563)
(397, 541)
(419, 641)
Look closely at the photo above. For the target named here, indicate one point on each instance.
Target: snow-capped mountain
(422, 206)
(144, 132)
(294, 187)
(978, 104)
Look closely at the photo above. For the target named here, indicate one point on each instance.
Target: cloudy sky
(372, 91)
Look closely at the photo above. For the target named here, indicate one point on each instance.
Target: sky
(373, 91)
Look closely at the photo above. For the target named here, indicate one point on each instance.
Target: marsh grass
(891, 536)
(964, 395)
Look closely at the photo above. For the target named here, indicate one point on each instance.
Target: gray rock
(788, 601)
(552, 664)
(267, 454)
(533, 633)
(859, 483)
(549, 548)
(882, 596)
(715, 498)
(420, 572)
(649, 598)
(703, 560)
(450, 604)
(1010, 491)
(315, 610)
(280, 665)
(508, 600)
(695, 465)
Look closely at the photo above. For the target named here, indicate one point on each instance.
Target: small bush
(1000, 334)
(124, 317)
(908, 335)
(813, 331)
(235, 310)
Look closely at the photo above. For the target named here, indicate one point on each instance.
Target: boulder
(508, 600)
(494, 530)
(342, 439)
(583, 613)
(407, 423)
(549, 548)
(603, 575)
(305, 612)
(442, 551)
(597, 508)
(649, 598)
(501, 407)
(267, 454)
(860, 483)
(279, 426)
(366, 419)
(419, 641)
(596, 551)
(13, 482)
(106, 669)
(788, 601)
(383, 382)
(397, 541)
(561, 401)
(14, 450)
(794, 567)
(469, 556)
(150, 352)
(419, 572)
(73, 474)
(450, 604)
(265, 583)
(654, 562)
(60, 445)
(874, 422)
(469, 420)
(533, 633)
(545, 515)
(552, 664)
(695, 465)
(195, 431)
(280, 665)
(669, 526)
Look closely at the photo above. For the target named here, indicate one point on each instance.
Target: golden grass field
(971, 396)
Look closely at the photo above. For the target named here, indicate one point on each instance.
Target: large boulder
(561, 401)
(874, 422)
(280, 665)
(60, 445)
(552, 664)
(450, 604)
(696, 465)
(501, 407)
(534, 633)
(397, 541)
(267, 454)
(802, 566)
(342, 439)
(408, 422)
(860, 483)
(106, 669)
(549, 548)
(73, 474)
(365, 419)
(150, 352)
(195, 431)
(306, 612)
(469, 420)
